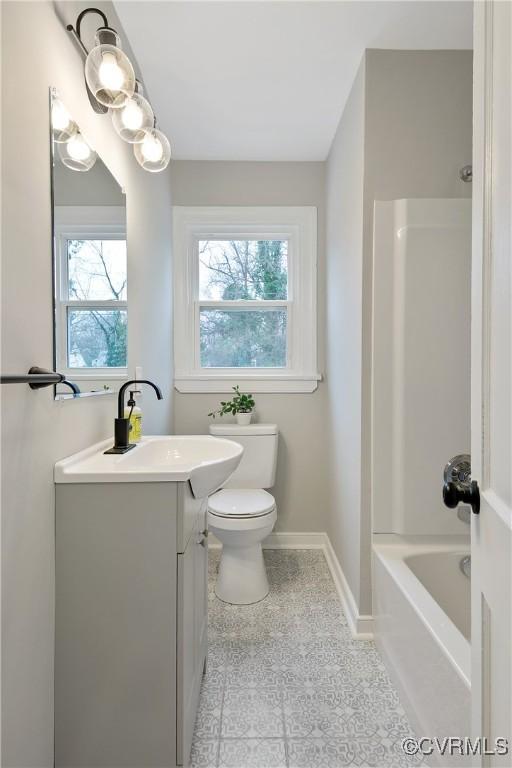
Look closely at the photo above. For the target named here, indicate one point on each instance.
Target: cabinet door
(201, 591)
(192, 635)
(189, 509)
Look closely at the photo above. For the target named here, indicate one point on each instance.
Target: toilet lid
(233, 502)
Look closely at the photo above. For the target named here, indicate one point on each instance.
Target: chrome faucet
(121, 424)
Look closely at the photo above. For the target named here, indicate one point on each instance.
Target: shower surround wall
(405, 132)
(421, 361)
(36, 431)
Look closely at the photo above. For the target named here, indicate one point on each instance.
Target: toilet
(242, 513)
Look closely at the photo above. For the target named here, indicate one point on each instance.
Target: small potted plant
(240, 406)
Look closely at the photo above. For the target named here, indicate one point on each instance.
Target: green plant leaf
(241, 402)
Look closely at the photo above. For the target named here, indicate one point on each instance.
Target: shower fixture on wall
(112, 87)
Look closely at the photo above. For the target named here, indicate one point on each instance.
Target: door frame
(491, 531)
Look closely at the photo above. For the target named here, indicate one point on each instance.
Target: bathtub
(422, 629)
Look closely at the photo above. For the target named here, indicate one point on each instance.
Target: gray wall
(416, 126)
(96, 187)
(36, 431)
(344, 255)
(300, 490)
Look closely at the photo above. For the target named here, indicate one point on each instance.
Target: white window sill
(262, 383)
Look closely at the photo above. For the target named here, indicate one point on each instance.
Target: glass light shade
(76, 154)
(133, 119)
(109, 72)
(63, 127)
(154, 151)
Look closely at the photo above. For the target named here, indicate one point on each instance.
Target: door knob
(454, 494)
(458, 488)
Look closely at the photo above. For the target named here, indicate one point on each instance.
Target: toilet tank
(257, 469)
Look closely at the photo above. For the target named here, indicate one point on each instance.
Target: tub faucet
(458, 487)
(121, 424)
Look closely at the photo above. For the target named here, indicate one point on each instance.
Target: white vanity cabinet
(192, 636)
(131, 623)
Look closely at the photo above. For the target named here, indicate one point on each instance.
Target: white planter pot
(244, 419)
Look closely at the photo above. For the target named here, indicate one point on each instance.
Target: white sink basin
(205, 461)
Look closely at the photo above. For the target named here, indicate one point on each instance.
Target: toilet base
(242, 578)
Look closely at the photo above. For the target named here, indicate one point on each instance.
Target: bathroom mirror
(89, 263)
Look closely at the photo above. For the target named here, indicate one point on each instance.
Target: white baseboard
(285, 540)
(360, 625)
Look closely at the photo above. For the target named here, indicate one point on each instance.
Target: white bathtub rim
(392, 555)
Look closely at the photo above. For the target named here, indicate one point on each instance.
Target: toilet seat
(241, 503)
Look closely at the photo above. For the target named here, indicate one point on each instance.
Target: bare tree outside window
(97, 336)
(238, 271)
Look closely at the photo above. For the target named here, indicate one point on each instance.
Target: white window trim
(299, 225)
(83, 222)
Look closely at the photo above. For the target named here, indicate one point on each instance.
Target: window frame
(84, 223)
(298, 225)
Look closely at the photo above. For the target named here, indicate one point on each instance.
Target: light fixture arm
(76, 33)
(84, 13)
(81, 47)
(100, 109)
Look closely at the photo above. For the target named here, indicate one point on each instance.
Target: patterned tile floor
(286, 683)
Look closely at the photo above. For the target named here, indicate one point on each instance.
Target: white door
(491, 420)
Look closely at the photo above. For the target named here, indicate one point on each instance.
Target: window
(252, 271)
(91, 279)
(245, 299)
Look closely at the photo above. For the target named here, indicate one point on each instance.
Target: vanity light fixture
(112, 86)
(76, 153)
(108, 71)
(154, 151)
(134, 117)
(63, 126)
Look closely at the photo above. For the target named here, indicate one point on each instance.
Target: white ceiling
(269, 80)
